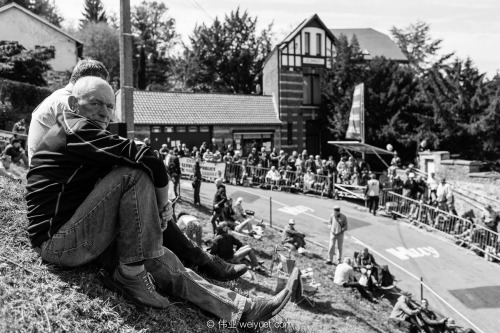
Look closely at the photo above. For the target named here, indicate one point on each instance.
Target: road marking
(295, 210)
(391, 262)
(405, 254)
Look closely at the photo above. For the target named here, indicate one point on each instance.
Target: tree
(229, 54)
(45, 8)
(102, 43)
(154, 31)
(19, 64)
(93, 11)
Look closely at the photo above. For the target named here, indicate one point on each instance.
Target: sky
(470, 28)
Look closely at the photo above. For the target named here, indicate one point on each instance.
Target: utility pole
(126, 70)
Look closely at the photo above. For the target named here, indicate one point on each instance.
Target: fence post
(421, 288)
(271, 211)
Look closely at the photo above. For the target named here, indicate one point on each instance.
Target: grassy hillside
(36, 297)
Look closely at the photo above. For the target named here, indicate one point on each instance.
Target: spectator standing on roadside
(372, 193)
(299, 165)
(217, 157)
(230, 150)
(318, 164)
(338, 226)
(264, 158)
(203, 148)
(237, 158)
(20, 132)
(163, 152)
(228, 158)
(253, 158)
(432, 185)
(310, 164)
(341, 169)
(282, 162)
(445, 197)
(274, 158)
(208, 156)
(304, 156)
(385, 181)
(396, 161)
(220, 199)
(174, 170)
(331, 172)
(194, 152)
(197, 182)
(291, 161)
(410, 187)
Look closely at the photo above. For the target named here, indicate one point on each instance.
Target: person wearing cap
(372, 194)
(223, 246)
(338, 225)
(292, 236)
(431, 322)
(411, 187)
(404, 314)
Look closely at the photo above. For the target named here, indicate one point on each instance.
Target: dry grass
(35, 297)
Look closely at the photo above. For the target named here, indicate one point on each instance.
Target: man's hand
(166, 215)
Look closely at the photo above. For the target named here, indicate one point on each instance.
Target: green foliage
(448, 103)
(155, 32)
(102, 43)
(93, 11)
(19, 64)
(45, 8)
(226, 56)
(18, 100)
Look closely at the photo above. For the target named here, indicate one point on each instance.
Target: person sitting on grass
(293, 237)
(344, 276)
(16, 152)
(223, 246)
(404, 314)
(88, 194)
(244, 220)
(9, 170)
(431, 322)
(191, 226)
(366, 262)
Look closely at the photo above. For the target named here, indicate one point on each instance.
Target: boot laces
(149, 282)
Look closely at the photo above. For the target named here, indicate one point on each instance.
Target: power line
(199, 7)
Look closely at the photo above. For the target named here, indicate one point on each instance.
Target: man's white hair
(89, 83)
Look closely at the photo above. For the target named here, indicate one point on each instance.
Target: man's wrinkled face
(96, 105)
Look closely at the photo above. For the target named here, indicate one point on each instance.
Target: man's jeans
(123, 206)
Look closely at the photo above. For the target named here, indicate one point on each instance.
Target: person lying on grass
(88, 189)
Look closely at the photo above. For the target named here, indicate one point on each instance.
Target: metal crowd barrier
(479, 238)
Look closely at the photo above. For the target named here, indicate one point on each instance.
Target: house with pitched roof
(31, 31)
(173, 118)
(291, 74)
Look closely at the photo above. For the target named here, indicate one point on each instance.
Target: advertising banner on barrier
(209, 170)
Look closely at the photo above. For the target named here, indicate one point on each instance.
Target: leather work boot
(140, 290)
(217, 269)
(265, 309)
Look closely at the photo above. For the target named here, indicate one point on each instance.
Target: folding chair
(309, 287)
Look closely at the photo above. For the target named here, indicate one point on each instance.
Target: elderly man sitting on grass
(89, 189)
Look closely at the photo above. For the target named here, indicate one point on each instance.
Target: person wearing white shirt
(45, 114)
(432, 185)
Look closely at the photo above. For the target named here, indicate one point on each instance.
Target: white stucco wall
(15, 25)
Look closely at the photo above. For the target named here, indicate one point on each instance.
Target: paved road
(464, 281)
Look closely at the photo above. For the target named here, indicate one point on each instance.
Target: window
(156, 129)
(193, 129)
(307, 40)
(318, 44)
(204, 129)
(180, 129)
(312, 90)
(289, 133)
(168, 129)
